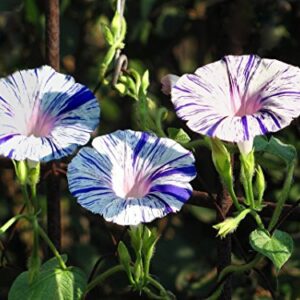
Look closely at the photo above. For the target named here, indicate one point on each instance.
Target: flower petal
(239, 97)
(132, 177)
(44, 115)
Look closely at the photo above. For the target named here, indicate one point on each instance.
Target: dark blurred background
(170, 36)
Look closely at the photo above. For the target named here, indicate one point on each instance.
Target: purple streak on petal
(89, 189)
(248, 67)
(181, 194)
(7, 138)
(168, 208)
(139, 146)
(81, 97)
(182, 89)
(49, 78)
(211, 130)
(190, 170)
(279, 94)
(185, 105)
(245, 125)
(169, 162)
(196, 79)
(274, 118)
(261, 125)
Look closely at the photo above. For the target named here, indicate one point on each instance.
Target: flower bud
(260, 184)
(221, 159)
(34, 168)
(21, 171)
(248, 164)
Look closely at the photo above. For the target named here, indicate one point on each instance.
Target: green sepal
(145, 82)
(125, 259)
(109, 38)
(248, 164)
(135, 233)
(230, 224)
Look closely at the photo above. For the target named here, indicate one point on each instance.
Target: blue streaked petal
(132, 177)
(44, 115)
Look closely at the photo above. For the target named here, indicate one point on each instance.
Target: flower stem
(9, 223)
(34, 196)
(45, 237)
(100, 278)
(158, 122)
(283, 196)
(240, 268)
(26, 197)
(158, 286)
(233, 196)
(151, 295)
(257, 219)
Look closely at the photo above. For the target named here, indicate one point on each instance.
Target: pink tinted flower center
(242, 105)
(40, 124)
(131, 186)
(138, 189)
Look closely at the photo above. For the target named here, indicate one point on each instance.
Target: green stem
(151, 295)
(240, 268)
(26, 197)
(34, 197)
(229, 186)
(158, 286)
(45, 237)
(9, 223)
(257, 219)
(102, 277)
(109, 56)
(283, 196)
(158, 122)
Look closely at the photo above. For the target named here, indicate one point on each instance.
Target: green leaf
(274, 146)
(52, 283)
(278, 247)
(178, 135)
(53, 263)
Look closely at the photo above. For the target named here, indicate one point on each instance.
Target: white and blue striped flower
(238, 97)
(44, 115)
(132, 177)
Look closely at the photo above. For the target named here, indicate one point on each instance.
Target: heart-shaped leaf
(274, 146)
(278, 247)
(52, 283)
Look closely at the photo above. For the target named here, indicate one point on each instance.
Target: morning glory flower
(132, 177)
(238, 98)
(44, 115)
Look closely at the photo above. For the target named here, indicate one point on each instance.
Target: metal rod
(53, 180)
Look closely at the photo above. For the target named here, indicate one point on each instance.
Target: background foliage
(170, 36)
